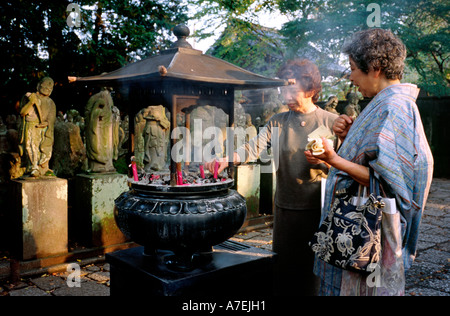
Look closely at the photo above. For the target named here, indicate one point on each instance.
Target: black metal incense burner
(180, 223)
(185, 220)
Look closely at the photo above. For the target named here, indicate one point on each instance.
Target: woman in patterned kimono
(388, 137)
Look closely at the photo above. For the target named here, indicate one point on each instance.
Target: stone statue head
(352, 98)
(45, 86)
(332, 101)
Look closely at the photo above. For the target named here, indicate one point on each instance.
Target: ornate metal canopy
(179, 78)
(181, 62)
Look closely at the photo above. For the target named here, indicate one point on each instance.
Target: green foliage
(318, 28)
(243, 42)
(421, 24)
(35, 40)
(238, 7)
(425, 32)
(121, 165)
(20, 36)
(259, 45)
(125, 30)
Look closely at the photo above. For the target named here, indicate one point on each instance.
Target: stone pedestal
(247, 181)
(92, 219)
(234, 270)
(39, 217)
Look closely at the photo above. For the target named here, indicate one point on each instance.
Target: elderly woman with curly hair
(388, 137)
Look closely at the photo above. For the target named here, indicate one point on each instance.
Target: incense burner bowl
(183, 222)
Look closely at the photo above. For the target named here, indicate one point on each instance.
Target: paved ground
(429, 275)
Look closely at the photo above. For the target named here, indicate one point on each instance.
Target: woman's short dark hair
(304, 72)
(377, 49)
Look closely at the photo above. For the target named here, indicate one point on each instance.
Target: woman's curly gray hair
(377, 49)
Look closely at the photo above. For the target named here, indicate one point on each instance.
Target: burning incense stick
(134, 169)
(179, 174)
(202, 172)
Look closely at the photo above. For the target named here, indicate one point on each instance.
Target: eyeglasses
(295, 89)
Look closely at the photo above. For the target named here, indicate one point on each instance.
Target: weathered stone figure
(258, 123)
(152, 137)
(69, 153)
(250, 129)
(240, 125)
(352, 109)
(38, 115)
(331, 104)
(101, 132)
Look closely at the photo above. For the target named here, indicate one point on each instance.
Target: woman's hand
(342, 125)
(312, 159)
(326, 157)
(223, 163)
(358, 172)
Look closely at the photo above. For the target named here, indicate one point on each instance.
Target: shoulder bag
(350, 236)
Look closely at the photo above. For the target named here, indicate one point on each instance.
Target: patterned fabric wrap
(350, 236)
(388, 136)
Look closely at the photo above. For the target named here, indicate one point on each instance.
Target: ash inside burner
(188, 178)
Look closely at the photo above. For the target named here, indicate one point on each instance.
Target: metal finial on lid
(181, 32)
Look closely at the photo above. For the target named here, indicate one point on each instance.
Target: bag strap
(374, 183)
(360, 193)
(375, 189)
